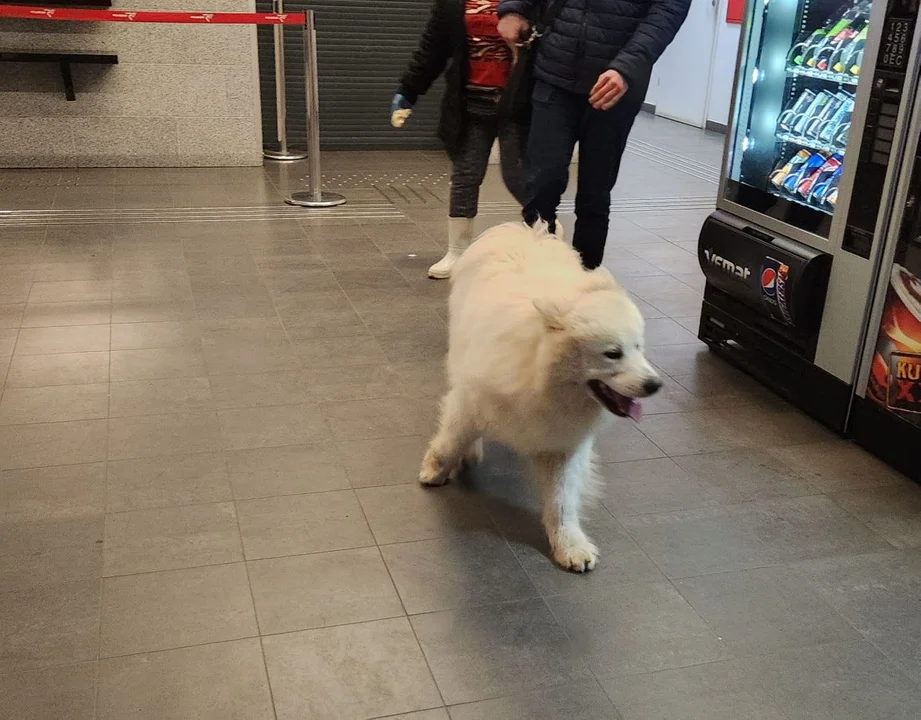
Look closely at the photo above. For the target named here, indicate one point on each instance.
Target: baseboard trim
(649, 107)
(716, 127)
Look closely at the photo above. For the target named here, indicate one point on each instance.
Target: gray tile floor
(210, 424)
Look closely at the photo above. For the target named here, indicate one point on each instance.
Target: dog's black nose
(652, 386)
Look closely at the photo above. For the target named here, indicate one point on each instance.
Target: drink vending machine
(817, 135)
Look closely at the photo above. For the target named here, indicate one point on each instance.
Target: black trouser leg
(602, 140)
(555, 121)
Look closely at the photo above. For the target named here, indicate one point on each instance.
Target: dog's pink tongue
(635, 410)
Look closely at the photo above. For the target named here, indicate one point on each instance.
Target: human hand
(609, 89)
(400, 110)
(513, 28)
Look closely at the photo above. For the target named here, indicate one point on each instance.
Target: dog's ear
(553, 312)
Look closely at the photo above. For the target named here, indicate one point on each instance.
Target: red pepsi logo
(769, 281)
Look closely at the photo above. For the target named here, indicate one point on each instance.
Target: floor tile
(166, 482)
(70, 291)
(49, 625)
(248, 352)
(878, 594)
(404, 513)
(374, 419)
(893, 512)
(11, 315)
(692, 433)
(62, 443)
(156, 397)
(365, 670)
(176, 608)
(323, 589)
(365, 382)
(21, 406)
(52, 492)
(154, 363)
(52, 314)
(480, 653)
(62, 369)
(391, 461)
(743, 475)
(575, 701)
(158, 435)
(259, 390)
(837, 465)
(469, 570)
(288, 470)
(143, 336)
(849, 680)
(208, 682)
(44, 562)
(634, 629)
(713, 691)
(339, 352)
(263, 427)
(74, 339)
(765, 610)
(297, 524)
(56, 692)
(652, 486)
(171, 538)
(623, 442)
(811, 527)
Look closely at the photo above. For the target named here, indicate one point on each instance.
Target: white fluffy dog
(539, 350)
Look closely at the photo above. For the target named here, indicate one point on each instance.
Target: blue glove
(400, 110)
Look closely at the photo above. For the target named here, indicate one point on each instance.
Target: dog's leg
(456, 433)
(563, 482)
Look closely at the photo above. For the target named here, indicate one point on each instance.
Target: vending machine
(886, 413)
(816, 140)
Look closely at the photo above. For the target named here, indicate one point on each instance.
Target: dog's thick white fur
(540, 350)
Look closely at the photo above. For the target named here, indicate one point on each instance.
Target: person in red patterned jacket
(462, 40)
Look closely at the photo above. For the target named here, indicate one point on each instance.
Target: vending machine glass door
(801, 62)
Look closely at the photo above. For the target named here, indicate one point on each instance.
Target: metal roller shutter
(362, 46)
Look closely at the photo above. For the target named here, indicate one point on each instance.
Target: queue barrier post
(283, 154)
(315, 197)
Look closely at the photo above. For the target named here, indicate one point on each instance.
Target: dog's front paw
(433, 472)
(577, 554)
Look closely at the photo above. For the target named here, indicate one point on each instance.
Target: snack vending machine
(886, 414)
(822, 93)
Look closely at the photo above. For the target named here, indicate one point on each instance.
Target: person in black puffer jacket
(592, 70)
(462, 41)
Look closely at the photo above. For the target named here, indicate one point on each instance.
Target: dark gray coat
(587, 37)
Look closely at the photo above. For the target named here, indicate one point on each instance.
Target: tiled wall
(181, 95)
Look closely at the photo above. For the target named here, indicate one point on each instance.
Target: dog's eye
(615, 354)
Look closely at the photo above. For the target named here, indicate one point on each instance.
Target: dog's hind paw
(433, 472)
(577, 555)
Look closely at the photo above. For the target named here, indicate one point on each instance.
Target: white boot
(460, 235)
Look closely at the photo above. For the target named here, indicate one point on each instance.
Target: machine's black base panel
(797, 380)
(891, 439)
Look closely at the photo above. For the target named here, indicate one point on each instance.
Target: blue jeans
(559, 120)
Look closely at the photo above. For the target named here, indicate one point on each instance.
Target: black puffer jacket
(588, 37)
(442, 49)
